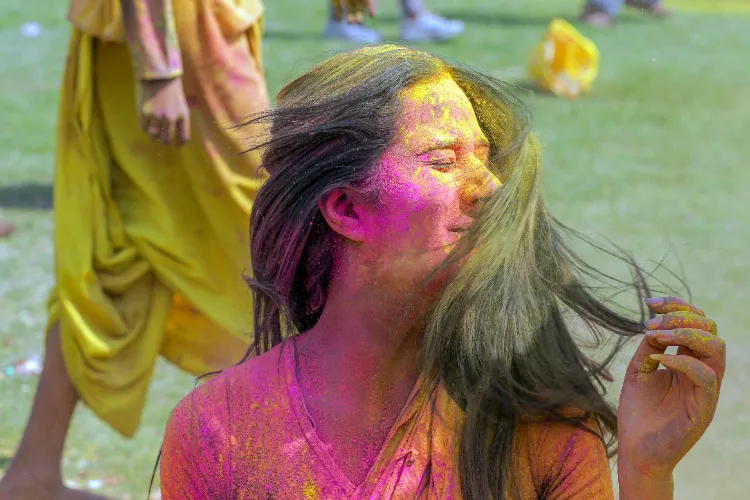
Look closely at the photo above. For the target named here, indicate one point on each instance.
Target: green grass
(655, 158)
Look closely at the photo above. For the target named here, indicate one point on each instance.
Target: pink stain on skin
(430, 180)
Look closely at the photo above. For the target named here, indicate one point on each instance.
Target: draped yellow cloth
(151, 241)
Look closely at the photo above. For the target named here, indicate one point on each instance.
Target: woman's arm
(635, 485)
(195, 444)
(664, 412)
(157, 64)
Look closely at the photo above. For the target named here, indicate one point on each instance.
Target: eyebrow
(451, 143)
(444, 144)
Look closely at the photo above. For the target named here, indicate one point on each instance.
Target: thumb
(641, 361)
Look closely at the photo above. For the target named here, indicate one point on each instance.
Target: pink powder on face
(430, 180)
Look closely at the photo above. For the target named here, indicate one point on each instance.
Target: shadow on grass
(294, 36)
(26, 196)
(528, 88)
(501, 18)
(511, 19)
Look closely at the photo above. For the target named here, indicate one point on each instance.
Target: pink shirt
(246, 434)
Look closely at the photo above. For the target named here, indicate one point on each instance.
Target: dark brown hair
(499, 336)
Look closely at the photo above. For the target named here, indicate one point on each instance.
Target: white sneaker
(352, 32)
(430, 27)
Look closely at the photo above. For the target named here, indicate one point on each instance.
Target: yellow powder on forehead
(436, 99)
(426, 88)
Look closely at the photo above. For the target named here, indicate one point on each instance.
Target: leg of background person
(418, 24)
(412, 8)
(609, 7)
(338, 27)
(601, 13)
(35, 472)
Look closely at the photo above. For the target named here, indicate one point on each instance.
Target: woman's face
(430, 181)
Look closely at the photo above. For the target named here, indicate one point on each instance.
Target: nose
(480, 184)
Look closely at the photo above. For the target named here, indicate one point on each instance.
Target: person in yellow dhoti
(150, 237)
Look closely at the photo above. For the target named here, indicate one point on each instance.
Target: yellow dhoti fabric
(151, 241)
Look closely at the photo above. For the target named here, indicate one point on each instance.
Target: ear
(344, 210)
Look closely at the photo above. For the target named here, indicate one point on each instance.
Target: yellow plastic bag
(565, 62)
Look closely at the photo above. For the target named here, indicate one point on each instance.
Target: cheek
(419, 223)
(417, 208)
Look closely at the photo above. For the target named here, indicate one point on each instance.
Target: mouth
(462, 226)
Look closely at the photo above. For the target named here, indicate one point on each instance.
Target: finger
(182, 130)
(154, 129)
(145, 121)
(641, 362)
(682, 319)
(708, 348)
(167, 132)
(663, 305)
(150, 124)
(699, 373)
(371, 7)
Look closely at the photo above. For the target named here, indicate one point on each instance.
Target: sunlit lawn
(655, 158)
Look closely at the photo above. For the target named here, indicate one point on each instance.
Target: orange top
(246, 434)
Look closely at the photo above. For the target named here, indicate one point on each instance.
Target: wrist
(639, 485)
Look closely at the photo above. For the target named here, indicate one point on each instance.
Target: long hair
(500, 335)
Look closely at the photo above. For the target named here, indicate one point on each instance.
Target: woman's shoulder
(248, 384)
(564, 457)
(543, 428)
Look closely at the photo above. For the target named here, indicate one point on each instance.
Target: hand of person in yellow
(164, 111)
(355, 10)
(663, 413)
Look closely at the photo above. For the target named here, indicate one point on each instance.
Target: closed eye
(442, 160)
(443, 166)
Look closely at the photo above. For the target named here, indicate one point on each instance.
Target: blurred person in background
(151, 205)
(602, 13)
(346, 21)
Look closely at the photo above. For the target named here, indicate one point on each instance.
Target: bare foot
(5, 228)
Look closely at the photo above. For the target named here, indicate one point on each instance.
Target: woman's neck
(364, 349)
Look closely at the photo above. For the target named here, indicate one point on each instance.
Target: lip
(461, 226)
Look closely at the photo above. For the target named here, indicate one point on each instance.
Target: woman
(150, 238)
(414, 297)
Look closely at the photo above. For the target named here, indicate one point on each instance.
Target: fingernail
(658, 357)
(652, 301)
(654, 321)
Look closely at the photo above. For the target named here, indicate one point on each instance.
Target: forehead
(439, 105)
